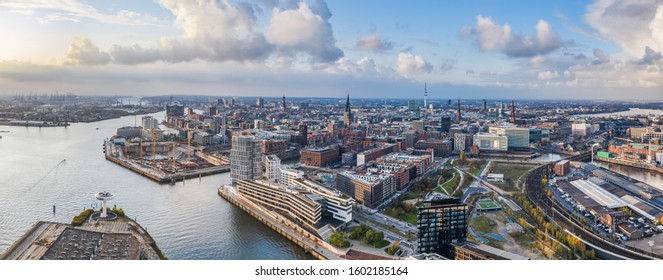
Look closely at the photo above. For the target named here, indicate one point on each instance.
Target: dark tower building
(283, 103)
(483, 105)
(347, 116)
(441, 221)
(212, 110)
(303, 135)
(513, 112)
(445, 124)
(458, 115)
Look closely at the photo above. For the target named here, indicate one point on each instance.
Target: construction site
(162, 160)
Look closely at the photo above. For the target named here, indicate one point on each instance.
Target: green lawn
(450, 185)
(382, 243)
(511, 171)
(482, 224)
(410, 218)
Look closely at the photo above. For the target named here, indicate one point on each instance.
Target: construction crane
(174, 158)
(188, 149)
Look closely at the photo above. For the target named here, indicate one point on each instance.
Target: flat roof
(599, 194)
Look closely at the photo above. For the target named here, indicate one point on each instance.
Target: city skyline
(555, 50)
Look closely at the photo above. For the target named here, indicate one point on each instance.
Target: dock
(160, 176)
(312, 244)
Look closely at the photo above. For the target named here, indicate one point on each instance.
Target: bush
(82, 217)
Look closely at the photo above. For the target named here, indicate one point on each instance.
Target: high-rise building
(483, 106)
(260, 102)
(245, 158)
(150, 123)
(303, 135)
(413, 105)
(272, 168)
(441, 221)
(212, 110)
(283, 103)
(460, 142)
(445, 124)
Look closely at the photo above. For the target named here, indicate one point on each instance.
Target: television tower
(425, 96)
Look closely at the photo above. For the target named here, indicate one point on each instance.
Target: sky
(602, 49)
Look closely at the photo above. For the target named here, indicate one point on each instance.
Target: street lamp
(594, 145)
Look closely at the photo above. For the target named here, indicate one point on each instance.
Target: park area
(512, 172)
(496, 229)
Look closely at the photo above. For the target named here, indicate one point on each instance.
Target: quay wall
(258, 217)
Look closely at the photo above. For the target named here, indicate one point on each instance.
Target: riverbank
(312, 244)
(630, 164)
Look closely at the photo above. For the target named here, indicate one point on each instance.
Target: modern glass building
(441, 220)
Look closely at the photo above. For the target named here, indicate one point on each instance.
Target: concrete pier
(317, 247)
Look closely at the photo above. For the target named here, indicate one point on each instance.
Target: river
(630, 112)
(188, 220)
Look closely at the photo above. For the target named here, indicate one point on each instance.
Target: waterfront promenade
(309, 242)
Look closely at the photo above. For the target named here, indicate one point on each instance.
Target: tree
(339, 239)
(463, 158)
(393, 248)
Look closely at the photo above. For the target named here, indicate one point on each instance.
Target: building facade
(245, 158)
(441, 221)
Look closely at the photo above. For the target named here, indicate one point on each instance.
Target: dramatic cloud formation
(409, 64)
(492, 37)
(219, 31)
(374, 42)
(633, 25)
(83, 52)
(304, 31)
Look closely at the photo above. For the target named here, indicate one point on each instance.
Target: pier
(157, 175)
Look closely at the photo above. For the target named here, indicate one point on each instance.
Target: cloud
(408, 64)
(633, 25)
(83, 52)
(600, 57)
(548, 75)
(302, 30)
(374, 42)
(221, 31)
(492, 37)
(74, 11)
(651, 57)
(362, 67)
